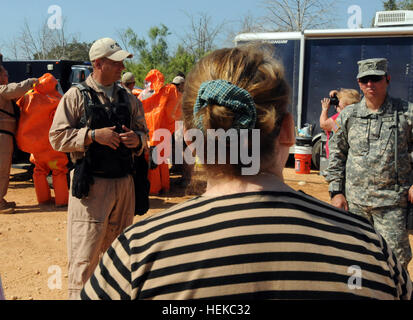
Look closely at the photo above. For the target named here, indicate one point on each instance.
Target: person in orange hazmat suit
(38, 107)
(159, 103)
(182, 168)
(136, 92)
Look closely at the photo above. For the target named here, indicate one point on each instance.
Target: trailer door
(288, 53)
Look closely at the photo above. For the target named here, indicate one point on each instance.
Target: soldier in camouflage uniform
(366, 175)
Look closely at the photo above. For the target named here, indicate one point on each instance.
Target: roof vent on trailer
(393, 18)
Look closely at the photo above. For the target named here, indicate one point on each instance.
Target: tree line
(153, 50)
(398, 5)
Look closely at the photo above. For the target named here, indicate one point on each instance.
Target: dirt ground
(33, 240)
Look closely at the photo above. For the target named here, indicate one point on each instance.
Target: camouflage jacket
(362, 154)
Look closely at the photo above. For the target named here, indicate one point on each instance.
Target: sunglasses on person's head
(371, 78)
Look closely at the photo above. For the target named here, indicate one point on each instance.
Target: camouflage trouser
(390, 222)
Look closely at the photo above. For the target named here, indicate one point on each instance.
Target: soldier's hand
(410, 194)
(339, 201)
(129, 138)
(108, 137)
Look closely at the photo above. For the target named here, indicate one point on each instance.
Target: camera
(334, 100)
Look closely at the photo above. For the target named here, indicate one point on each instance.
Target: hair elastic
(224, 93)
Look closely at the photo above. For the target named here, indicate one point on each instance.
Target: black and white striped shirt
(256, 245)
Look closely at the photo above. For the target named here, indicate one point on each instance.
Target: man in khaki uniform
(8, 92)
(96, 219)
(128, 81)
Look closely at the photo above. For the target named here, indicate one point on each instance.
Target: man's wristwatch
(92, 135)
(334, 193)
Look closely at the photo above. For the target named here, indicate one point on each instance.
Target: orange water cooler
(302, 155)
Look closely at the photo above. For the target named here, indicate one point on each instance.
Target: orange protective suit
(38, 107)
(160, 112)
(136, 92)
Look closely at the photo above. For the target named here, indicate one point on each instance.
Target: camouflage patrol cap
(372, 67)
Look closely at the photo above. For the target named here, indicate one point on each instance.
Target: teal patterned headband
(224, 93)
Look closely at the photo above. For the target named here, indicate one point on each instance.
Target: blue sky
(91, 19)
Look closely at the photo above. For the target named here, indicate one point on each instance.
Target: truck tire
(316, 154)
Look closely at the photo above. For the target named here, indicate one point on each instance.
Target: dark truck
(317, 61)
(67, 72)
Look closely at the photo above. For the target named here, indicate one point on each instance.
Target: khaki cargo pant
(390, 223)
(93, 224)
(6, 154)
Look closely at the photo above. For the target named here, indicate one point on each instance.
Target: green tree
(149, 54)
(71, 51)
(138, 71)
(182, 61)
(153, 53)
(390, 5)
(46, 43)
(406, 5)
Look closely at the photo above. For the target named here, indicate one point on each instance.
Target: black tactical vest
(104, 161)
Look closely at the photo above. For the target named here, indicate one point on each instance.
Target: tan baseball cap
(178, 80)
(372, 67)
(128, 77)
(108, 48)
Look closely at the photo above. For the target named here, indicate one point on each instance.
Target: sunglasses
(365, 80)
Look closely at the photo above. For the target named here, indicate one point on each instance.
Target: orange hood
(37, 108)
(47, 84)
(156, 78)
